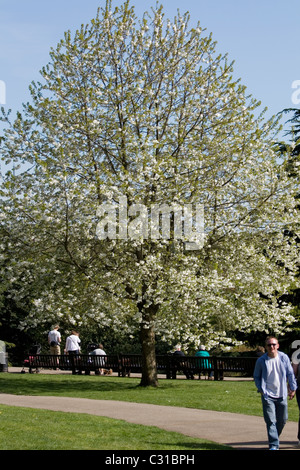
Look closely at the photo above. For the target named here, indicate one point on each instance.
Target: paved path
(239, 431)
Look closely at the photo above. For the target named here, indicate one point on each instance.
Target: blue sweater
(260, 373)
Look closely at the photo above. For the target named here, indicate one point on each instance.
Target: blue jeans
(275, 412)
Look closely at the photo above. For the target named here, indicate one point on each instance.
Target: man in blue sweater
(273, 370)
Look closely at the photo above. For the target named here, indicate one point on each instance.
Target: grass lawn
(232, 396)
(57, 430)
(33, 429)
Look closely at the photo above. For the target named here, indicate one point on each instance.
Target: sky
(262, 37)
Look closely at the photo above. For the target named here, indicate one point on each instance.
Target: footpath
(241, 432)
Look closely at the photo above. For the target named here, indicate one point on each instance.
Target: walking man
(273, 370)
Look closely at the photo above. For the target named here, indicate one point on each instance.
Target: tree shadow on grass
(39, 384)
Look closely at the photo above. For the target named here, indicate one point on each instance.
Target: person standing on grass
(73, 350)
(54, 339)
(73, 344)
(272, 372)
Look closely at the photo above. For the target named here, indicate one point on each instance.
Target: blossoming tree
(148, 113)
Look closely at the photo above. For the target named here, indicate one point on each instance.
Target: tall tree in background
(146, 112)
(291, 150)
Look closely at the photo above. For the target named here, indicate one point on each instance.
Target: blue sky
(261, 36)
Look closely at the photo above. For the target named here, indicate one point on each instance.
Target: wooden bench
(243, 365)
(130, 363)
(190, 366)
(46, 361)
(77, 364)
(167, 364)
(125, 364)
(95, 363)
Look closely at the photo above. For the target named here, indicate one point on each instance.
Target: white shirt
(274, 377)
(98, 352)
(54, 335)
(72, 343)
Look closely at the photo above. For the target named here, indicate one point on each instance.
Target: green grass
(58, 430)
(32, 429)
(231, 396)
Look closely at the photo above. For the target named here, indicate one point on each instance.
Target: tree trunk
(149, 370)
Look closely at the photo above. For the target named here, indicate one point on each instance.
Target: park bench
(130, 363)
(77, 364)
(243, 365)
(46, 361)
(192, 366)
(166, 364)
(95, 363)
(125, 364)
